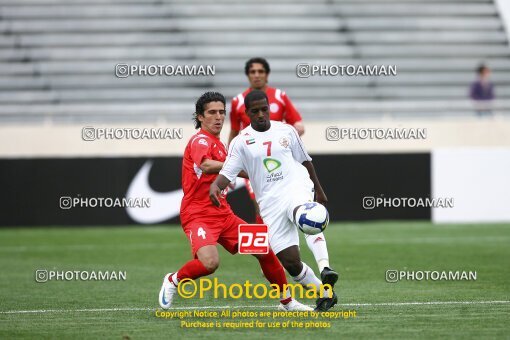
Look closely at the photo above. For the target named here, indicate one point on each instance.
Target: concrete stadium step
(482, 37)
(24, 83)
(289, 51)
(234, 80)
(234, 38)
(166, 25)
(14, 68)
(239, 10)
(433, 50)
(367, 93)
(422, 23)
(8, 41)
(105, 82)
(24, 97)
(185, 52)
(190, 95)
(287, 24)
(183, 94)
(393, 106)
(185, 38)
(135, 95)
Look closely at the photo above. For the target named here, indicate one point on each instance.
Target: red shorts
(210, 231)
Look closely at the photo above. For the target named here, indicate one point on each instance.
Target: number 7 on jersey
(268, 143)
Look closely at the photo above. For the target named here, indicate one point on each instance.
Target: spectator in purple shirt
(482, 91)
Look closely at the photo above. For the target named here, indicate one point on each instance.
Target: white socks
(307, 277)
(317, 244)
(174, 279)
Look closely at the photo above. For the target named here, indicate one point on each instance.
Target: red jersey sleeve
(235, 123)
(200, 149)
(292, 115)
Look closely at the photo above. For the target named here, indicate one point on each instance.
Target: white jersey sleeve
(234, 162)
(298, 149)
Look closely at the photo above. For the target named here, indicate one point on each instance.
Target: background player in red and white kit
(206, 225)
(280, 106)
(280, 109)
(283, 179)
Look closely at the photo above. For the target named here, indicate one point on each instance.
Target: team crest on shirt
(284, 141)
(274, 108)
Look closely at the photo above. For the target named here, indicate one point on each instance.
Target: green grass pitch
(361, 252)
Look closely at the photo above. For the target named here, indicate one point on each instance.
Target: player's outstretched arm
(210, 166)
(320, 196)
(217, 186)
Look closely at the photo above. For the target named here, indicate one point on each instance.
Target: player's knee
(211, 263)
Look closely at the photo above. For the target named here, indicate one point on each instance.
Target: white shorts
(283, 232)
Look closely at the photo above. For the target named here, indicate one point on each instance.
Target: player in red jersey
(206, 225)
(281, 109)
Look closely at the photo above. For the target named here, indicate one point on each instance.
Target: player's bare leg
(304, 275)
(206, 263)
(274, 273)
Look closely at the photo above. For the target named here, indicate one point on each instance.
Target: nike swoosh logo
(164, 205)
(163, 298)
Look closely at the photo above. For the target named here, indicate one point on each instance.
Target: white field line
(128, 309)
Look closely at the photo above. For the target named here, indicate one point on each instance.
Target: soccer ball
(312, 218)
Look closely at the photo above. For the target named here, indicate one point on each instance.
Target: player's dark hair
(254, 96)
(481, 68)
(205, 99)
(256, 60)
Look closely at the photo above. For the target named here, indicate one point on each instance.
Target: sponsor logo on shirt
(274, 176)
(271, 164)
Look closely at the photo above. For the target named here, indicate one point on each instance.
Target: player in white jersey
(283, 178)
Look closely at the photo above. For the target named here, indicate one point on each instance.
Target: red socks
(274, 273)
(271, 267)
(191, 270)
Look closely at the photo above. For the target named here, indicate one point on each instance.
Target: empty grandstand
(58, 57)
